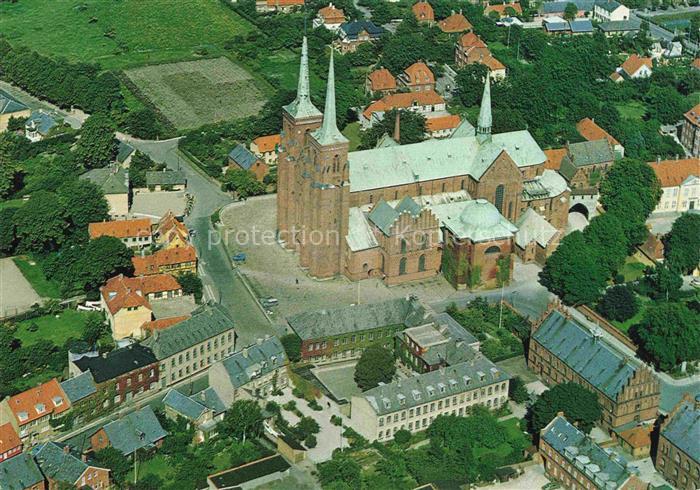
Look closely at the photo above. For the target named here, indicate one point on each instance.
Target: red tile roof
(164, 323)
(403, 101)
(615, 76)
(126, 228)
(381, 79)
(454, 23)
(554, 158)
(284, 3)
(150, 264)
(501, 8)
(587, 128)
(124, 292)
(9, 439)
(693, 115)
(442, 122)
(634, 63)
(696, 63)
(267, 144)
(332, 15)
(170, 227)
(423, 11)
(39, 402)
(471, 40)
(672, 173)
(419, 74)
(476, 51)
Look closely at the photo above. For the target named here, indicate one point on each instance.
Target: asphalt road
(659, 32)
(221, 283)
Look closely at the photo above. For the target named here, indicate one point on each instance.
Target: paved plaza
(16, 294)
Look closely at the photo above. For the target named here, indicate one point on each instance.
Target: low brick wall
(607, 326)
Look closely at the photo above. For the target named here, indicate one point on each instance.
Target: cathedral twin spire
(485, 121)
(301, 107)
(329, 133)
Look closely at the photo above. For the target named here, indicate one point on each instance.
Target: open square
(194, 93)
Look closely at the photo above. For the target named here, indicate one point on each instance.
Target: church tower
(326, 193)
(483, 129)
(298, 118)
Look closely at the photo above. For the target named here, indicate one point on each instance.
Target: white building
(610, 10)
(680, 183)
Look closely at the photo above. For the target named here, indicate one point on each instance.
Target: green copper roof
(59, 465)
(383, 215)
(386, 141)
(328, 133)
(485, 120)
(591, 153)
(112, 180)
(301, 107)
(477, 220)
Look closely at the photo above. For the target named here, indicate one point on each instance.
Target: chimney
(66, 449)
(397, 127)
(245, 352)
(697, 402)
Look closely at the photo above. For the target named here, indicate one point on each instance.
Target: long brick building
(327, 196)
(563, 350)
(678, 452)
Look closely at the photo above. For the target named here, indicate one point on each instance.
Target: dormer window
(467, 380)
(40, 408)
(431, 390)
(57, 401)
(416, 394)
(22, 416)
(387, 403)
(402, 400)
(481, 375)
(441, 387)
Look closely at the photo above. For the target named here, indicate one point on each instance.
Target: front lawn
(631, 110)
(31, 270)
(632, 269)
(57, 329)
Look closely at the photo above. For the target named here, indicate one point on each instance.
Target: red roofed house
(266, 147)
(423, 12)
(380, 81)
(502, 8)
(162, 324)
(127, 301)
(329, 17)
(171, 261)
(171, 233)
(634, 67)
(590, 131)
(690, 134)
(278, 5)
(455, 23)
(134, 233)
(680, 183)
(424, 103)
(471, 49)
(30, 412)
(10, 444)
(441, 126)
(417, 78)
(695, 64)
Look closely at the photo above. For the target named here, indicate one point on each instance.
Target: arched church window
(402, 266)
(421, 263)
(404, 246)
(493, 250)
(500, 191)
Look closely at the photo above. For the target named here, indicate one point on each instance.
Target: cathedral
(461, 206)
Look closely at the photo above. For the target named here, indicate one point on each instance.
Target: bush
(310, 441)
(402, 437)
(336, 420)
(619, 303)
(33, 327)
(313, 405)
(290, 406)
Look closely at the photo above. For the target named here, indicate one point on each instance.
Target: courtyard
(16, 293)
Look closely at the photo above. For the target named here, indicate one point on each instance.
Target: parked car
(193, 232)
(269, 302)
(695, 282)
(239, 257)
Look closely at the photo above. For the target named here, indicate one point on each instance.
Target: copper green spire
(301, 107)
(483, 130)
(328, 133)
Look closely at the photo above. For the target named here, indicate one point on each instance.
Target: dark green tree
(84, 203)
(191, 284)
(618, 303)
(97, 146)
(607, 240)
(570, 11)
(140, 164)
(664, 282)
(242, 182)
(113, 459)
(95, 327)
(630, 177)
(7, 231)
(579, 405)
(339, 470)
(40, 225)
(375, 365)
(470, 83)
(292, 346)
(412, 128)
(243, 420)
(517, 391)
(142, 123)
(681, 247)
(402, 437)
(665, 104)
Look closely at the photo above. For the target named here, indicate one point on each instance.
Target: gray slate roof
(559, 7)
(549, 184)
(353, 28)
(434, 385)
(211, 400)
(117, 362)
(242, 156)
(137, 430)
(592, 358)
(620, 26)
(165, 177)
(206, 322)
(79, 387)
(183, 405)
(254, 361)
(607, 5)
(581, 25)
(58, 464)
(10, 105)
(125, 150)
(590, 153)
(384, 215)
(451, 341)
(609, 468)
(327, 323)
(111, 180)
(19, 473)
(683, 430)
(42, 121)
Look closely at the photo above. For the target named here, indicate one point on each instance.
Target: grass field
(625, 326)
(631, 110)
(11, 203)
(632, 269)
(121, 34)
(57, 329)
(32, 272)
(193, 93)
(352, 132)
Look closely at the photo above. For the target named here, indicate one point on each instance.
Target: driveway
(533, 478)
(16, 294)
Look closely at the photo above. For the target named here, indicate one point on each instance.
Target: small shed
(242, 158)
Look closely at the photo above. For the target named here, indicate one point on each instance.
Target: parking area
(16, 294)
(532, 478)
(338, 379)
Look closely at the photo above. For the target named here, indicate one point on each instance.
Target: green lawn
(515, 439)
(352, 132)
(32, 272)
(632, 269)
(12, 203)
(158, 465)
(57, 329)
(631, 110)
(120, 34)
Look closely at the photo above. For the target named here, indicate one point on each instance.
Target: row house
(168, 261)
(21, 473)
(429, 104)
(62, 469)
(80, 390)
(562, 350)
(413, 403)
(203, 411)
(134, 233)
(471, 49)
(678, 452)
(171, 232)
(680, 184)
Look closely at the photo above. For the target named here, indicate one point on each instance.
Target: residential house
(63, 470)
(255, 372)
(193, 345)
(30, 413)
(9, 108)
(423, 12)
(10, 443)
(80, 390)
(21, 473)
(120, 376)
(127, 301)
(573, 459)
(343, 333)
(690, 134)
(201, 417)
(695, 64)
(442, 126)
(166, 180)
(357, 32)
(329, 17)
(586, 163)
(455, 23)
(680, 183)
(241, 158)
(250, 475)
(436, 344)
(134, 233)
(171, 232)
(266, 148)
(417, 78)
(563, 350)
(114, 182)
(636, 440)
(38, 126)
(536, 238)
(413, 403)
(610, 10)
(138, 430)
(425, 103)
(125, 153)
(620, 27)
(678, 452)
(471, 49)
(558, 8)
(284, 6)
(380, 81)
(504, 9)
(590, 131)
(174, 261)
(634, 67)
